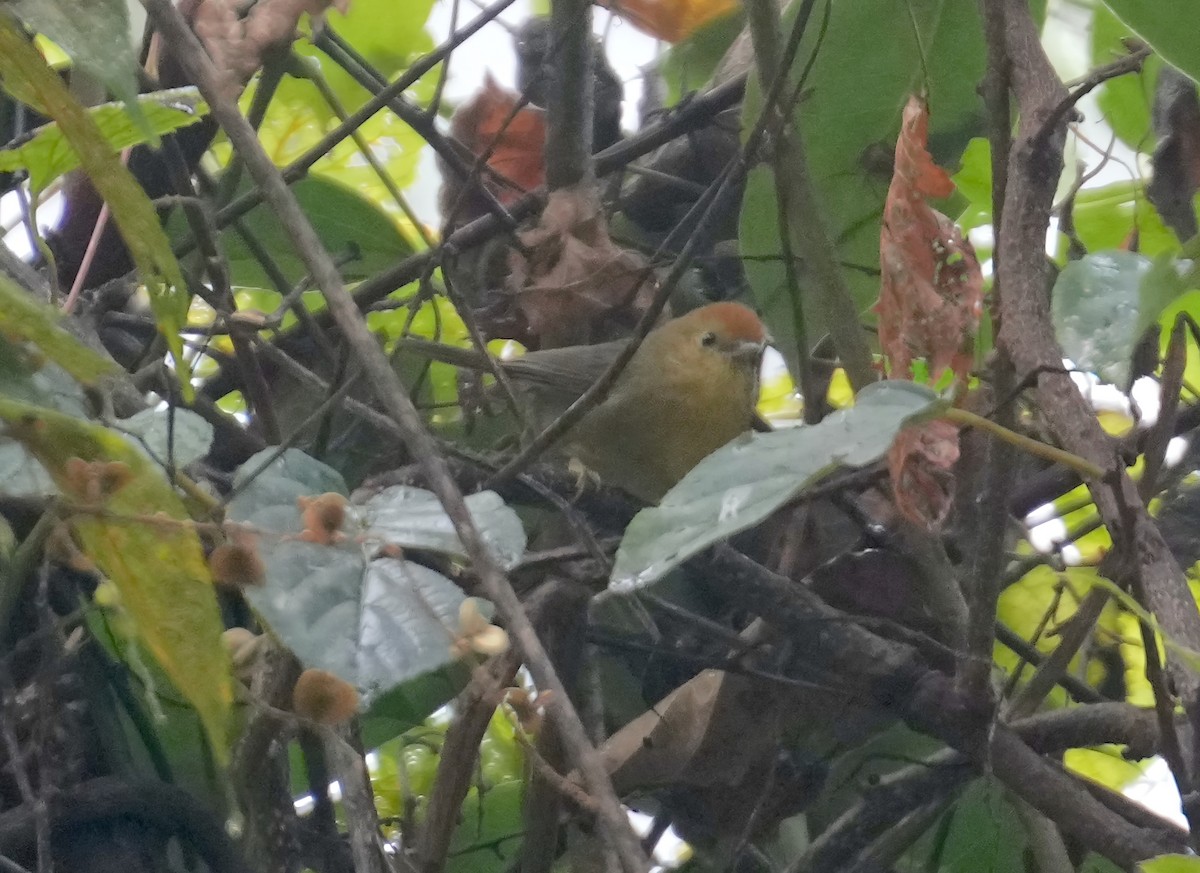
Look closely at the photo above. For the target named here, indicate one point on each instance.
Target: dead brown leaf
(513, 138)
(237, 43)
(574, 281)
(931, 296)
(921, 463)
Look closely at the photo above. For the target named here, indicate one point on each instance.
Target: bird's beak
(750, 352)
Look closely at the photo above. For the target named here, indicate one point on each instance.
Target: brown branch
(391, 394)
(829, 292)
(1026, 333)
(895, 677)
(570, 109)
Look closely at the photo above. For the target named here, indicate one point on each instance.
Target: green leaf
(134, 214)
(350, 226)
(1171, 864)
(1104, 302)
(690, 63)
(23, 317)
(850, 133)
(1167, 25)
(1126, 101)
(742, 483)
(47, 154)
(158, 568)
(1112, 216)
(379, 622)
(97, 40)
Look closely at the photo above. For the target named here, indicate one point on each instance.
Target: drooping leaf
(739, 485)
(932, 290)
(131, 209)
(1176, 158)
(47, 154)
(849, 130)
(921, 463)
(158, 567)
(23, 317)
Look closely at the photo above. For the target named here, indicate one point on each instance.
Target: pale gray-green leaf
(414, 518)
(375, 622)
(179, 436)
(742, 483)
(273, 479)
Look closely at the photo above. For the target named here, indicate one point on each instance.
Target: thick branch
(1026, 333)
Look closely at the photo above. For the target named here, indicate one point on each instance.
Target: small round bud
(323, 697)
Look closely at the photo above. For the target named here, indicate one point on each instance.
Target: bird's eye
(709, 339)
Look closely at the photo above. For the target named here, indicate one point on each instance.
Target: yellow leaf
(140, 537)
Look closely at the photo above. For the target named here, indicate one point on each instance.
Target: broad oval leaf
(274, 478)
(159, 569)
(378, 623)
(739, 485)
(382, 623)
(413, 518)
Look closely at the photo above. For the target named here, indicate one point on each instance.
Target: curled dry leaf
(512, 137)
(932, 291)
(237, 42)
(921, 463)
(930, 302)
(670, 20)
(575, 286)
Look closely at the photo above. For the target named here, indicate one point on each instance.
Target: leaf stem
(1080, 465)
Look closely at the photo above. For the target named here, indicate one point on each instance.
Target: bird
(690, 388)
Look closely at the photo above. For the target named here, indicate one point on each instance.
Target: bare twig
(612, 819)
(826, 282)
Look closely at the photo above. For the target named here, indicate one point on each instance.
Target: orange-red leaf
(513, 139)
(670, 20)
(931, 294)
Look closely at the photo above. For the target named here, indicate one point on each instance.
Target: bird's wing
(567, 372)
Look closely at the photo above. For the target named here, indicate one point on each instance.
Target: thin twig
(612, 817)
